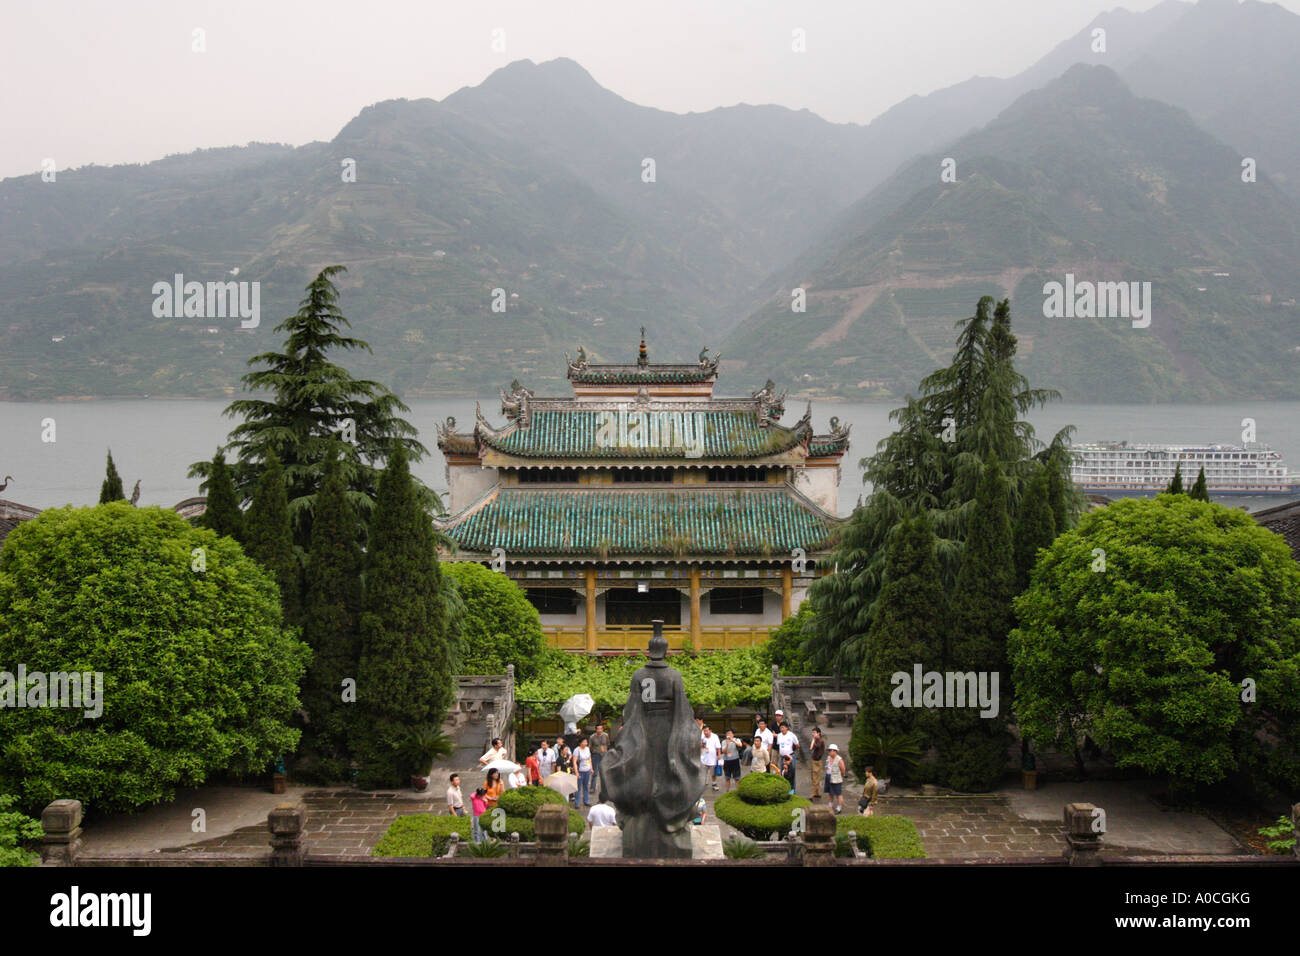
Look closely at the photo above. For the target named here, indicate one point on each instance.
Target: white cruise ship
(1123, 468)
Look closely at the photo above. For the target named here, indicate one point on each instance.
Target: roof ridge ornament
(578, 364)
(514, 404)
(770, 406)
(643, 358)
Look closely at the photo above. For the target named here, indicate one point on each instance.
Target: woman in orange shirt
(494, 787)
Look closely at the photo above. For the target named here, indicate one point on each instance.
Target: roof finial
(642, 358)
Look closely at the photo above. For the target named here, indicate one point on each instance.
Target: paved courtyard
(1009, 823)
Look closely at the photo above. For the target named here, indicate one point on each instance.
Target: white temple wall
(467, 484)
(821, 484)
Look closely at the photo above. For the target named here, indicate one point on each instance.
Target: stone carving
(770, 405)
(577, 365)
(514, 404)
(654, 774)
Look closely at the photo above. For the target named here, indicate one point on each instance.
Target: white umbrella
(502, 764)
(562, 783)
(574, 709)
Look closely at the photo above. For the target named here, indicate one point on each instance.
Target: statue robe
(653, 773)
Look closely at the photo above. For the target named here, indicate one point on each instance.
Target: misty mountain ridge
(531, 186)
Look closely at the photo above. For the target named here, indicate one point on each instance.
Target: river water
(155, 441)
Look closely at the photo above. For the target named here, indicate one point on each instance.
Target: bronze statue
(653, 774)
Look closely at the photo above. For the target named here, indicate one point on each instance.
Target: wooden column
(695, 607)
(787, 592)
(591, 610)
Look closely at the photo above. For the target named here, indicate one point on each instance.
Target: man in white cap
(834, 778)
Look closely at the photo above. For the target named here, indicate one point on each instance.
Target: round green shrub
(759, 821)
(525, 801)
(198, 676)
(763, 788)
(499, 625)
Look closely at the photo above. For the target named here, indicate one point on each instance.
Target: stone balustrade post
(819, 836)
(1082, 835)
(62, 840)
(551, 825)
(286, 823)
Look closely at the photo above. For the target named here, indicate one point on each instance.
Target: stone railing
(815, 846)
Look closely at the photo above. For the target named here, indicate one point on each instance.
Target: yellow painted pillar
(695, 607)
(591, 610)
(787, 592)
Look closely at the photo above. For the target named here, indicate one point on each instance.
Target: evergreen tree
(1035, 527)
(222, 512)
(111, 489)
(1059, 488)
(269, 541)
(316, 411)
(331, 615)
(404, 680)
(1200, 491)
(1176, 486)
(907, 630)
(973, 748)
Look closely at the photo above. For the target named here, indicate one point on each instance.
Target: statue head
(658, 649)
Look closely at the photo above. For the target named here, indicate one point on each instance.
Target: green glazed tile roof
(827, 445)
(641, 374)
(720, 521)
(571, 434)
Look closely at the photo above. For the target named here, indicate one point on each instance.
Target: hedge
(426, 834)
(758, 821)
(525, 801)
(883, 838)
(763, 788)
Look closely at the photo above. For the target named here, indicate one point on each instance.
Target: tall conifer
(222, 513)
(907, 630)
(331, 615)
(1035, 527)
(973, 748)
(268, 539)
(111, 489)
(404, 684)
(1176, 486)
(1200, 491)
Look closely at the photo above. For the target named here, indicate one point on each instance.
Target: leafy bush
(198, 675)
(738, 848)
(893, 838)
(525, 801)
(499, 625)
(524, 825)
(759, 821)
(715, 680)
(763, 788)
(1151, 656)
(579, 847)
(421, 834)
(15, 830)
(1282, 835)
(786, 647)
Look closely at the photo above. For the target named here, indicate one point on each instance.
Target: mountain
(1079, 178)
(530, 183)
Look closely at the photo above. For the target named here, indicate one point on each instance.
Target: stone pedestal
(706, 842)
(1082, 835)
(286, 823)
(551, 825)
(62, 822)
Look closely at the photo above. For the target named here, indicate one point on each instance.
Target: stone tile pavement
(1009, 823)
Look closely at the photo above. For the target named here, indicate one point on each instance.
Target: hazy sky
(113, 81)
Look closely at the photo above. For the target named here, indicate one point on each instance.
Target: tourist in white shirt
(582, 764)
(455, 799)
(602, 815)
(709, 747)
(517, 779)
(788, 743)
(545, 760)
(767, 735)
(495, 752)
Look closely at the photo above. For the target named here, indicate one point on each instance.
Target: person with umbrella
(495, 752)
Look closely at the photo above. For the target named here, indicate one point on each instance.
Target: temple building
(643, 496)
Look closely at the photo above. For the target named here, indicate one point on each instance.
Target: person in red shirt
(534, 769)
